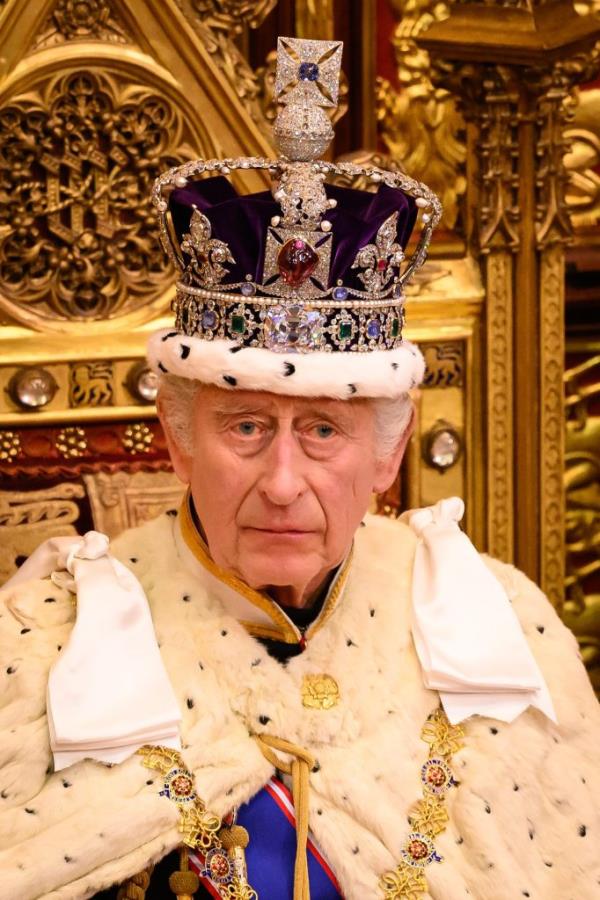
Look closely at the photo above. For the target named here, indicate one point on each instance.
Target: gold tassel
(135, 887)
(185, 882)
(234, 840)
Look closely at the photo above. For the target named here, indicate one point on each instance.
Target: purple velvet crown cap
(242, 222)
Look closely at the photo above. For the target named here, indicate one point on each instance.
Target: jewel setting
(179, 786)
(217, 866)
(419, 851)
(292, 326)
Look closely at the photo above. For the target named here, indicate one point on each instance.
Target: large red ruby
(296, 260)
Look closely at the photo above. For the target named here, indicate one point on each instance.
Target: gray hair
(392, 416)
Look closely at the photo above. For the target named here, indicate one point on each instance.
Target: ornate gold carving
(500, 429)
(230, 15)
(445, 364)
(123, 500)
(29, 517)
(554, 88)
(518, 104)
(582, 160)
(217, 24)
(91, 384)
(10, 445)
(71, 442)
(489, 98)
(138, 438)
(320, 692)
(581, 611)
(552, 354)
(73, 20)
(419, 123)
(77, 238)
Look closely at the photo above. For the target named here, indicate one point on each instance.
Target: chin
(288, 569)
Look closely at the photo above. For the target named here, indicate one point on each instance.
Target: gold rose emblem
(320, 692)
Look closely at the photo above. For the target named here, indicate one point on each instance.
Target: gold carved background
(78, 154)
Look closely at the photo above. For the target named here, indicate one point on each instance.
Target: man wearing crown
(306, 700)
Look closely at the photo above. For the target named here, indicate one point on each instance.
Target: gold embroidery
(320, 692)
(429, 816)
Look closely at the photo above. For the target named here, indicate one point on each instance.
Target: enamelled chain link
(222, 846)
(429, 816)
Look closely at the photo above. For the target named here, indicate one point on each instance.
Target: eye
(324, 431)
(247, 428)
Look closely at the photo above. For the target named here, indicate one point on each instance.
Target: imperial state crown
(299, 290)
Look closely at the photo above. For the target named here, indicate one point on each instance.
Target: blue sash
(270, 821)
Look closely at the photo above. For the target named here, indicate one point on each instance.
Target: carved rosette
(72, 20)
(78, 156)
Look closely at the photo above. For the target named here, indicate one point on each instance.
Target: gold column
(514, 70)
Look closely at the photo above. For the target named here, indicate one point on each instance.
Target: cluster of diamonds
(292, 307)
(292, 326)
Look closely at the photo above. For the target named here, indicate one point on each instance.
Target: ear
(181, 461)
(387, 469)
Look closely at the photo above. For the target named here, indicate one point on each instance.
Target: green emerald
(395, 327)
(345, 330)
(238, 324)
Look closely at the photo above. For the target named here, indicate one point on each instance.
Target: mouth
(280, 531)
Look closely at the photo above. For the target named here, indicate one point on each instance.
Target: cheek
(218, 484)
(345, 493)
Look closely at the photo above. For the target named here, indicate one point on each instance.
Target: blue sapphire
(209, 318)
(308, 71)
(248, 289)
(340, 293)
(374, 329)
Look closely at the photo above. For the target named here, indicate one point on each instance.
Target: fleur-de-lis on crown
(207, 254)
(381, 258)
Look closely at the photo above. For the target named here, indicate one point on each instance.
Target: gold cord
(299, 768)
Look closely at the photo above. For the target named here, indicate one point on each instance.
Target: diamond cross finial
(308, 71)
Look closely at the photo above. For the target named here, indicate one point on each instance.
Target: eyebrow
(229, 410)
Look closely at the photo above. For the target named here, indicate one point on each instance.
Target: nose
(283, 480)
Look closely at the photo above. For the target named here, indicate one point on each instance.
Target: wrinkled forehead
(222, 402)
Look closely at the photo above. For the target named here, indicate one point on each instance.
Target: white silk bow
(108, 691)
(468, 639)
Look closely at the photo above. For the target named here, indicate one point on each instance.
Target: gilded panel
(582, 483)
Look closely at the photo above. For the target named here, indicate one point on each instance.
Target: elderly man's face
(281, 484)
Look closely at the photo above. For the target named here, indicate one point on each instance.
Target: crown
(285, 280)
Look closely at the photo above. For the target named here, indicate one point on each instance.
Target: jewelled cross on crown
(307, 79)
(298, 246)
